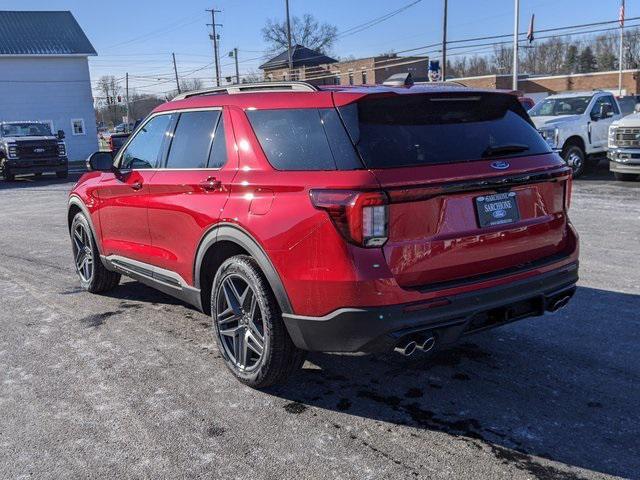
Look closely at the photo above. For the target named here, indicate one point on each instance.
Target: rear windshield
(410, 130)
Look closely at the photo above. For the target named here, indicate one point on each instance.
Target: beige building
(560, 83)
(319, 69)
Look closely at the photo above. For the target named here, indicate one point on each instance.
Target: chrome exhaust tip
(559, 303)
(426, 343)
(406, 348)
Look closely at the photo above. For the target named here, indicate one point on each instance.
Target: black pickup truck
(31, 148)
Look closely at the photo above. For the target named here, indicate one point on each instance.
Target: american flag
(621, 16)
(530, 33)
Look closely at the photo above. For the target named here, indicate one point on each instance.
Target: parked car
(576, 125)
(628, 104)
(624, 148)
(117, 140)
(527, 102)
(123, 128)
(29, 148)
(355, 220)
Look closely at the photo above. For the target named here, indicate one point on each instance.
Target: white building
(44, 75)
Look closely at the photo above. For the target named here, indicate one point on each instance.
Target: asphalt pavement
(130, 384)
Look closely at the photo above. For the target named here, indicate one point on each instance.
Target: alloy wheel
(83, 252)
(240, 323)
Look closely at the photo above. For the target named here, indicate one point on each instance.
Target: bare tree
(252, 77)
(109, 90)
(503, 58)
(307, 31)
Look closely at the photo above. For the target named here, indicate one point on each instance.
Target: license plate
(498, 209)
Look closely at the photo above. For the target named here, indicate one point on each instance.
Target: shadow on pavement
(564, 387)
(46, 180)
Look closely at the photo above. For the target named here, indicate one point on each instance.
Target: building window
(336, 78)
(364, 77)
(77, 126)
(351, 77)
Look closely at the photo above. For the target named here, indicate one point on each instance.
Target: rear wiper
(506, 149)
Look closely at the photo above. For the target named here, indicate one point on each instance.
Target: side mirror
(100, 162)
(60, 135)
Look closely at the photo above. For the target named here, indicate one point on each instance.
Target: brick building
(319, 69)
(560, 83)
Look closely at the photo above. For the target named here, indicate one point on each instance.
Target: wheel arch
(575, 140)
(225, 241)
(75, 206)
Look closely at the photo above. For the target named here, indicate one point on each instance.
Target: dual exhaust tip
(408, 346)
(558, 303)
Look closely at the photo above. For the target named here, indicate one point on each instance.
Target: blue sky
(138, 36)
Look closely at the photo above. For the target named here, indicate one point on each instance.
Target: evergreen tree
(587, 61)
(571, 60)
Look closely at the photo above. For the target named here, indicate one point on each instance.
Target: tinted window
(428, 129)
(144, 149)
(218, 155)
(192, 139)
(303, 139)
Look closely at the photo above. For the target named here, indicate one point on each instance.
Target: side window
(293, 139)
(144, 149)
(192, 139)
(218, 156)
(614, 104)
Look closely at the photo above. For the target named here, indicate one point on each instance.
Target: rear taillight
(361, 217)
(568, 185)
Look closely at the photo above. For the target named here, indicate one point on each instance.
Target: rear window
(411, 130)
(304, 139)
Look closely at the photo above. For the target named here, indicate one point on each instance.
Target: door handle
(211, 184)
(137, 186)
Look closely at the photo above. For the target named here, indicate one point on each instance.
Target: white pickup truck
(624, 148)
(576, 125)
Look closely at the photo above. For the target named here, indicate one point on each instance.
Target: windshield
(408, 130)
(552, 107)
(25, 129)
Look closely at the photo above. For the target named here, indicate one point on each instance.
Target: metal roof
(300, 56)
(42, 33)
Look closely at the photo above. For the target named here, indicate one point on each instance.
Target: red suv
(335, 220)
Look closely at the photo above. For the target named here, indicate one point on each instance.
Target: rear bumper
(449, 318)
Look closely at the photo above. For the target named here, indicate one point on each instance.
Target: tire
(93, 276)
(63, 174)
(575, 158)
(247, 320)
(7, 175)
(625, 177)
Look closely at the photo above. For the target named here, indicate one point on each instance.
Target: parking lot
(131, 384)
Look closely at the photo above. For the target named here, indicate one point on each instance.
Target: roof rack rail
(250, 88)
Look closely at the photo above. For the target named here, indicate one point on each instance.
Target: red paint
(433, 235)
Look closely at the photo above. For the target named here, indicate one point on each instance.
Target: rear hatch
(473, 189)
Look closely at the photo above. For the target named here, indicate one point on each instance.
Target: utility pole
(444, 42)
(621, 57)
(175, 70)
(126, 96)
(516, 24)
(214, 37)
(235, 56)
(289, 39)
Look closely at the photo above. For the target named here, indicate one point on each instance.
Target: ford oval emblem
(499, 214)
(500, 165)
